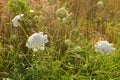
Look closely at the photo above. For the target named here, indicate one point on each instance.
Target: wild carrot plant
(59, 40)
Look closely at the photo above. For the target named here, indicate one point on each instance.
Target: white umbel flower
(37, 41)
(104, 47)
(16, 19)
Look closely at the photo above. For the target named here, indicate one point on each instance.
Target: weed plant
(73, 27)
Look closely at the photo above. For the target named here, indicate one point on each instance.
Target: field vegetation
(59, 39)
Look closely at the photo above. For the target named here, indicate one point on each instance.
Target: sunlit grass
(69, 53)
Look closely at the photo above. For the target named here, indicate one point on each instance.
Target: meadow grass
(70, 52)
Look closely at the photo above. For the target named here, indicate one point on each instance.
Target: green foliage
(18, 6)
(69, 55)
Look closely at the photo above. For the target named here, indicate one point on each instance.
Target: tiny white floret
(100, 4)
(32, 11)
(7, 79)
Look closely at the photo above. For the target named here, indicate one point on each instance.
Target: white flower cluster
(104, 47)
(37, 41)
(16, 19)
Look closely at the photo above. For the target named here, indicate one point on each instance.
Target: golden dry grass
(86, 14)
